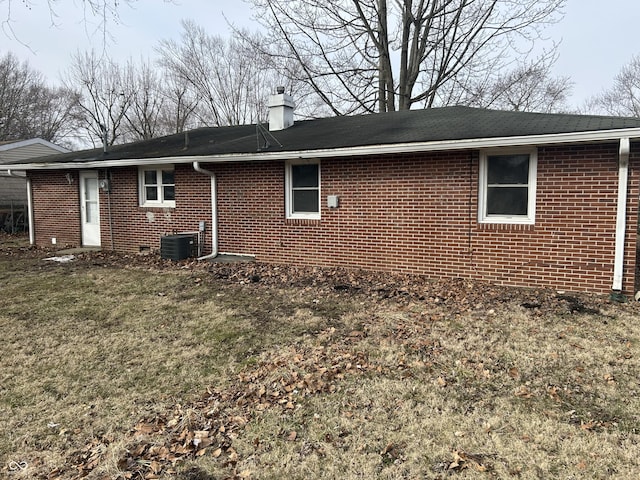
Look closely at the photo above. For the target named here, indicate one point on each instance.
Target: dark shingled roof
(432, 125)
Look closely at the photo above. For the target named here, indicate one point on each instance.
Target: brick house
(514, 198)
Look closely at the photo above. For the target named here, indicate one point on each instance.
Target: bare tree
(52, 115)
(528, 87)
(180, 104)
(16, 79)
(97, 7)
(143, 86)
(381, 55)
(102, 10)
(230, 77)
(28, 107)
(103, 97)
(161, 104)
(623, 98)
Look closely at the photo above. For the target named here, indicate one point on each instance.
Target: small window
(157, 186)
(507, 187)
(303, 190)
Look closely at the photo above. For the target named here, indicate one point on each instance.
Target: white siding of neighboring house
(15, 189)
(12, 189)
(18, 151)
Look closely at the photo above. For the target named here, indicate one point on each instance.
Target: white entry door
(90, 209)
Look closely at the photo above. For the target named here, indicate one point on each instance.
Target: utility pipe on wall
(621, 217)
(32, 237)
(214, 211)
(32, 233)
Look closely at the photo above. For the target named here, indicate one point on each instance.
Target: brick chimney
(280, 110)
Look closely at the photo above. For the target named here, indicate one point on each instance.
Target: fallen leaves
(143, 428)
(554, 392)
(392, 454)
(210, 426)
(463, 460)
(441, 382)
(523, 391)
(457, 296)
(590, 425)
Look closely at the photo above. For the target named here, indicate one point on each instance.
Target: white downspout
(214, 211)
(621, 218)
(32, 235)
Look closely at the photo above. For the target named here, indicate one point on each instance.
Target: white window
(507, 190)
(157, 186)
(302, 197)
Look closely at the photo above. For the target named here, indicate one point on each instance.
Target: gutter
(214, 211)
(380, 149)
(621, 217)
(32, 238)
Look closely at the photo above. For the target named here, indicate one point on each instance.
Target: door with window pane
(90, 209)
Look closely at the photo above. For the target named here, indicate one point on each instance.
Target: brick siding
(404, 213)
(56, 207)
(134, 228)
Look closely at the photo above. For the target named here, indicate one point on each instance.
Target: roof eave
(32, 141)
(380, 149)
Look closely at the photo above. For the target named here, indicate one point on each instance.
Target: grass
(396, 388)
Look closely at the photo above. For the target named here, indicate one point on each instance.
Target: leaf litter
(156, 446)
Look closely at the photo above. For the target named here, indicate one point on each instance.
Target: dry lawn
(125, 368)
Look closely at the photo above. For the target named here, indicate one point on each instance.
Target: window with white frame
(507, 190)
(157, 186)
(302, 194)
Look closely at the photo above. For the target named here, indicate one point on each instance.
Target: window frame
(289, 189)
(483, 187)
(142, 186)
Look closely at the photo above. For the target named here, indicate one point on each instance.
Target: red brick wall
(571, 245)
(134, 228)
(407, 213)
(56, 207)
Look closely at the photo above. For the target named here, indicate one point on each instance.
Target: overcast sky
(597, 37)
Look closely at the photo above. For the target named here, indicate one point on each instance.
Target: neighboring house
(525, 199)
(13, 186)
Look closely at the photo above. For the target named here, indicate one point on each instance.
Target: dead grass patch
(145, 372)
(498, 397)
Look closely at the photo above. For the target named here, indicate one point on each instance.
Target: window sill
(506, 226)
(158, 205)
(515, 220)
(310, 216)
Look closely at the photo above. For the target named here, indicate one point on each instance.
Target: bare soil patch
(130, 367)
